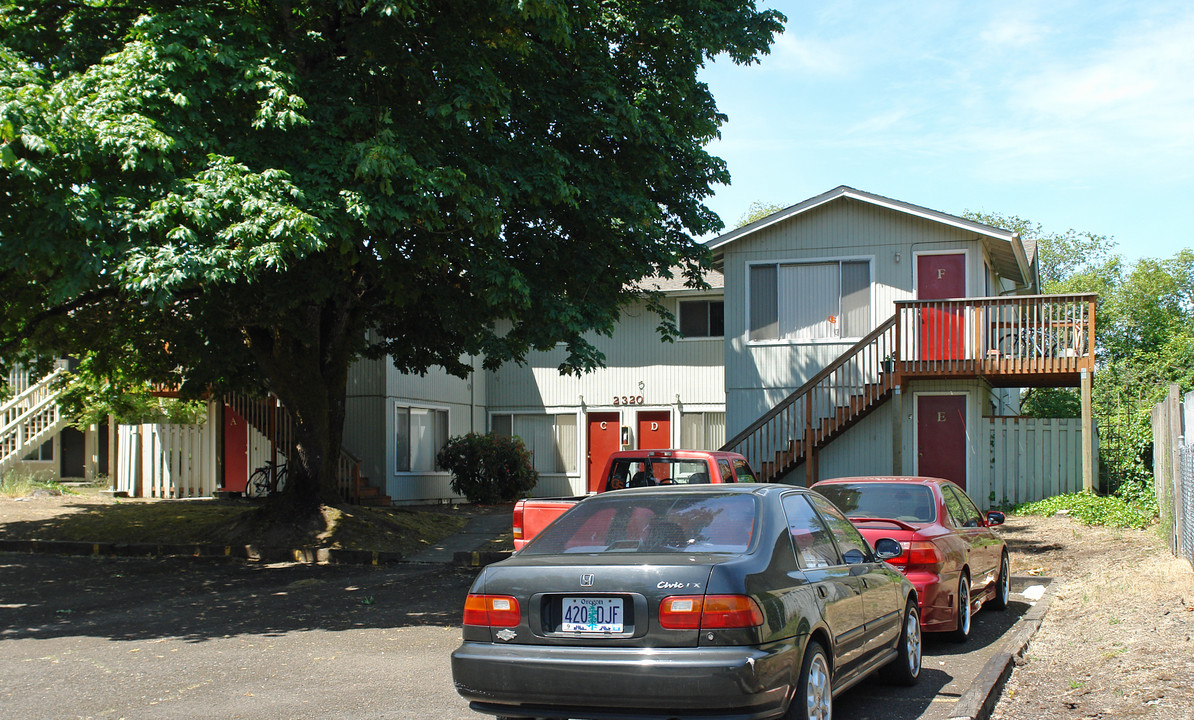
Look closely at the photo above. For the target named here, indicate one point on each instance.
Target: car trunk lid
(608, 601)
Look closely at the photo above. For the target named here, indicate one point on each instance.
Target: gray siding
(367, 428)
(864, 449)
(638, 363)
(375, 390)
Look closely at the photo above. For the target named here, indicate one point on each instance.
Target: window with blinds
(810, 301)
(702, 430)
(551, 439)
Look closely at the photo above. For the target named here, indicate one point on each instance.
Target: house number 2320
(628, 399)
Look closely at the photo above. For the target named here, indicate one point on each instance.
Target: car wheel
(963, 630)
(905, 669)
(1003, 585)
(814, 692)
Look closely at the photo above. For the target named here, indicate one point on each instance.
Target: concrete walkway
(487, 523)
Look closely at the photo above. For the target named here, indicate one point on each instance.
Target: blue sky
(1071, 114)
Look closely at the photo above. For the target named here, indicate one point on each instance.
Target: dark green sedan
(723, 601)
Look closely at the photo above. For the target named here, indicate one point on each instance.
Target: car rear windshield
(909, 503)
(647, 472)
(651, 524)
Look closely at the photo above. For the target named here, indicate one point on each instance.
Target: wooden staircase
(269, 417)
(844, 392)
(29, 419)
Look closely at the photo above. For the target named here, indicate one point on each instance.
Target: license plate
(592, 615)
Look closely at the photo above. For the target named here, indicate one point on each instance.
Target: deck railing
(1020, 335)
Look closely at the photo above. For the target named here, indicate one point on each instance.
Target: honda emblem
(586, 580)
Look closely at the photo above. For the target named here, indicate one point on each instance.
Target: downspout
(472, 401)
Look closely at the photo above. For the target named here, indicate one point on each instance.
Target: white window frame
(408, 406)
(851, 339)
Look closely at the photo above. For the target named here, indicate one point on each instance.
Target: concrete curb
(479, 558)
(978, 702)
(310, 556)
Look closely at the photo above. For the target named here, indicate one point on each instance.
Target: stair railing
(28, 418)
(831, 400)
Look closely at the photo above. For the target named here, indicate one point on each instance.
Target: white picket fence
(1031, 459)
(168, 460)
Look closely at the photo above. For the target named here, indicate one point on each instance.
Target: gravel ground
(1118, 639)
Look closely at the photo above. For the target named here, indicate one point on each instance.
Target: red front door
(941, 437)
(605, 433)
(942, 330)
(655, 433)
(236, 451)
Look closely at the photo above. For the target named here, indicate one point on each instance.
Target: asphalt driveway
(192, 638)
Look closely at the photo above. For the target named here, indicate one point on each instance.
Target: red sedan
(951, 555)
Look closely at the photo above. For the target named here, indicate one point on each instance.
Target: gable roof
(1011, 254)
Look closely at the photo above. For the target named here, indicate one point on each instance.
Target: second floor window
(702, 318)
(810, 301)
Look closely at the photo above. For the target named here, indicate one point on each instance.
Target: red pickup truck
(635, 468)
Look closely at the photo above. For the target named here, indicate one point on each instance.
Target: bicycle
(1030, 342)
(266, 480)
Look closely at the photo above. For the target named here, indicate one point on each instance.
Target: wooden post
(1087, 434)
(112, 450)
(810, 453)
(897, 432)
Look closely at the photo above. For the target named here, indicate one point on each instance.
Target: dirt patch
(1118, 640)
(98, 517)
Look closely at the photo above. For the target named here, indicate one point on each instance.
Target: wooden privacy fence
(167, 460)
(1030, 459)
(1173, 470)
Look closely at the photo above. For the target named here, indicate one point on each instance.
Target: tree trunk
(308, 370)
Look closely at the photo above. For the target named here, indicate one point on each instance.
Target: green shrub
(488, 469)
(1137, 511)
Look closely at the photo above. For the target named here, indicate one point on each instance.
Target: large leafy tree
(239, 194)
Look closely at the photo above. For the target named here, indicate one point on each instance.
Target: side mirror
(994, 517)
(853, 556)
(886, 549)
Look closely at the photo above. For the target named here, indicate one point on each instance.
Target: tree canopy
(238, 194)
(758, 210)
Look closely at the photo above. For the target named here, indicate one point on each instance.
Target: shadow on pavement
(136, 599)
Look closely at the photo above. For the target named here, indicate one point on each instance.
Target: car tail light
(518, 521)
(919, 555)
(702, 612)
(491, 611)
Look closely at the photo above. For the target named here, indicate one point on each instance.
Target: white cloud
(808, 55)
(1012, 32)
